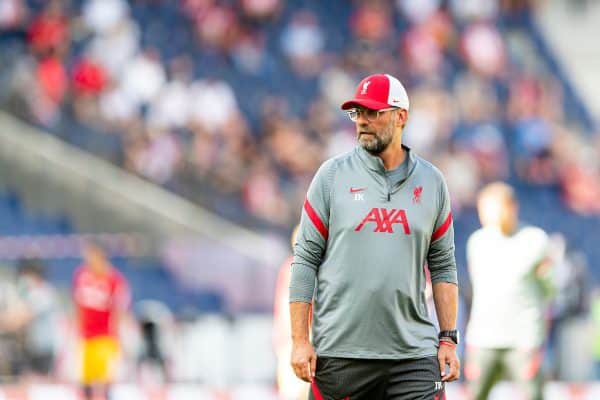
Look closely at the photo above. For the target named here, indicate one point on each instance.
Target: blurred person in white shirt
(171, 108)
(115, 48)
(509, 267)
(143, 77)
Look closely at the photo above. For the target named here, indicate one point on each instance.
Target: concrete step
(573, 32)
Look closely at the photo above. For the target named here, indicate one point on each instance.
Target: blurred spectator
(291, 150)
(302, 42)
(159, 158)
(196, 7)
(260, 10)
(117, 108)
(49, 31)
(262, 194)
(38, 89)
(203, 153)
(12, 14)
(40, 321)
(423, 45)
(479, 130)
(115, 48)
(335, 85)
(89, 78)
(520, 7)
(533, 134)
(213, 104)
(580, 179)
(474, 9)
(340, 141)
(143, 78)
(372, 21)
(51, 84)
(249, 53)
(52, 77)
(483, 49)
(102, 16)
(217, 27)
(235, 152)
(418, 11)
(462, 176)
(171, 107)
(431, 121)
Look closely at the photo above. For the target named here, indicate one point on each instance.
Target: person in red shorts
(101, 297)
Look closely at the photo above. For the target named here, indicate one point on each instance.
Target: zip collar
(375, 163)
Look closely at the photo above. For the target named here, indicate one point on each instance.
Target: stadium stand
(210, 111)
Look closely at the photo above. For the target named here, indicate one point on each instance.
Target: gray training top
(364, 239)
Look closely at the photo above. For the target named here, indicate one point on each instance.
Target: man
(101, 296)
(372, 219)
(509, 271)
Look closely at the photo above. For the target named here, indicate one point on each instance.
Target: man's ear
(402, 117)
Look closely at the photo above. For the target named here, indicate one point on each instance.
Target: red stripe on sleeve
(314, 217)
(443, 228)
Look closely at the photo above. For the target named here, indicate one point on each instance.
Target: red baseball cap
(377, 92)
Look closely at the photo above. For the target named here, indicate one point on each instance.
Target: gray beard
(378, 143)
(375, 146)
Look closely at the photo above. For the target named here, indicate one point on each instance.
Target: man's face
(497, 211)
(95, 258)
(375, 132)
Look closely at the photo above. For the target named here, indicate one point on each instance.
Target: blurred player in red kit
(101, 296)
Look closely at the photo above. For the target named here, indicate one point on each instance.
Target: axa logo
(365, 87)
(385, 220)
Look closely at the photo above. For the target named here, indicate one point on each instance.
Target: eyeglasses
(370, 115)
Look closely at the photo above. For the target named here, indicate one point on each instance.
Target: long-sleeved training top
(365, 237)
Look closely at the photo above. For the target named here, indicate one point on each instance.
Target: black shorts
(359, 379)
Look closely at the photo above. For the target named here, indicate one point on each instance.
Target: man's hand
(447, 356)
(304, 361)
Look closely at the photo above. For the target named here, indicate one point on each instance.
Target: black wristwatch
(452, 335)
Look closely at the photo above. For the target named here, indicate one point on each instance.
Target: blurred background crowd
(233, 105)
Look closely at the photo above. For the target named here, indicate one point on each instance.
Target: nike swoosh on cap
(355, 190)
